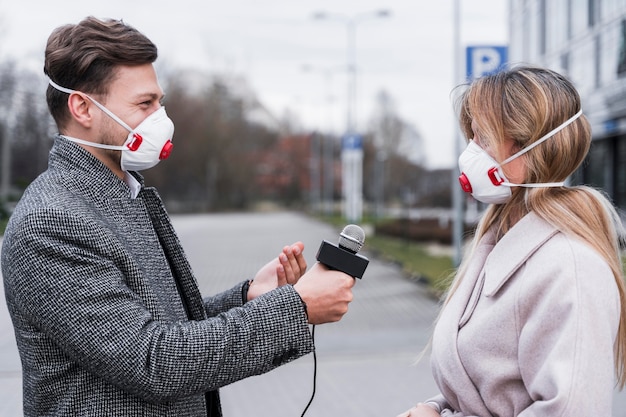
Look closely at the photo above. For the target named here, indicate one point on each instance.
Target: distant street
(366, 362)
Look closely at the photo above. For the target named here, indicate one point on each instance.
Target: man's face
(133, 95)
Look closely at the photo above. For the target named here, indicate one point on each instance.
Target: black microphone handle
(343, 260)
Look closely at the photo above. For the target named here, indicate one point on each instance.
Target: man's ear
(81, 109)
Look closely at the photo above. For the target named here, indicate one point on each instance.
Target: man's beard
(110, 135)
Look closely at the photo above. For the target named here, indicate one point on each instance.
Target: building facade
(586, 41)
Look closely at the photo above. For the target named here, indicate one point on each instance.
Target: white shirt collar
(133, 184)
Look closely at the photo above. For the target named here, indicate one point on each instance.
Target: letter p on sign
(484, 60)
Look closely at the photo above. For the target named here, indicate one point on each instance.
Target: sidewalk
(10, 367)
(365, 362)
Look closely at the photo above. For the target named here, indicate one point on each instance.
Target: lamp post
(326, 150)
(329, 98)
(457, 193)
(352, 148)
(351, 23)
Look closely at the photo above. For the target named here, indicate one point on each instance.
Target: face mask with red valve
(482, 176)
(146, 145)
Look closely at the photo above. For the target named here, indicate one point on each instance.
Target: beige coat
(530, 330)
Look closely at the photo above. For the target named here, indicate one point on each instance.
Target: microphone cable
(344, 258)
(314, 372)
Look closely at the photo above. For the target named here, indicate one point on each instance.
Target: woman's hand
(287, 268)
(420, 410)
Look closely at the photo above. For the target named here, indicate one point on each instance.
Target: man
(107, 313)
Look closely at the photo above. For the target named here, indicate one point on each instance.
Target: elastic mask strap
(544, 138)
(100, 106)
(537, 185)
(95, 145)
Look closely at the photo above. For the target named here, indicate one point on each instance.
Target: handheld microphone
(344, 257)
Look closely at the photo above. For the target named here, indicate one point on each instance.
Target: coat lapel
(444, 353)
(528, 235)
(113, 196)
(183, 275)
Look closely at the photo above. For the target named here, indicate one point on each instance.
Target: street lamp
(329, 98)
(326, 150)
(457, 193)
(351, 24)
(352, 148)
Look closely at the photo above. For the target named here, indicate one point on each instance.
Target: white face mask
(482, 176)
(146, 145)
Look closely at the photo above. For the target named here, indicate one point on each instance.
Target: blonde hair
(523, 104)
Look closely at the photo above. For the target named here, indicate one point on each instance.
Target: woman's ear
(80, 108)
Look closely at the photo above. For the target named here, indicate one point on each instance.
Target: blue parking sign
(352, 141)
(484, 60)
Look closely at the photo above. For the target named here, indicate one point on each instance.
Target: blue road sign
(484, 60)
(352, 141)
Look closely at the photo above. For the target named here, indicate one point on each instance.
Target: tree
(24, 128)
(8, 84)
(212, 166)
(393, 159)
(32, 136)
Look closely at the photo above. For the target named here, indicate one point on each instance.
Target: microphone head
(352, 238)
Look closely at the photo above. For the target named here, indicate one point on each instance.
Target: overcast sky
(408, 54)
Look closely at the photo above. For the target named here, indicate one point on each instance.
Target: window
(592, 11)
(600, 168)
(621, 61)
(579, 17)
(542, 27)
(620, 172)
(597, 58)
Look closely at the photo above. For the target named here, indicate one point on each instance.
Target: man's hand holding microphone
(326, 289)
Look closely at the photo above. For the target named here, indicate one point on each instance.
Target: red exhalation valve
(167, 150)
(494, 176)
(465, 184)
(134, 144)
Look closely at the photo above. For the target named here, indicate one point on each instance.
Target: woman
(534, 323)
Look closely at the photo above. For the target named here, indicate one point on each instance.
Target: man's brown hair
(83, 57)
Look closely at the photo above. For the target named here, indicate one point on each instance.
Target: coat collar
(88, 174)
(514, 249)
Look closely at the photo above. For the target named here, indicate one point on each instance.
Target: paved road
(366, 362)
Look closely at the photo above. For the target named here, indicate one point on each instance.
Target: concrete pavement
(366, 362)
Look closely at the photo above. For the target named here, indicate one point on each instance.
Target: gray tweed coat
(108, 317)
